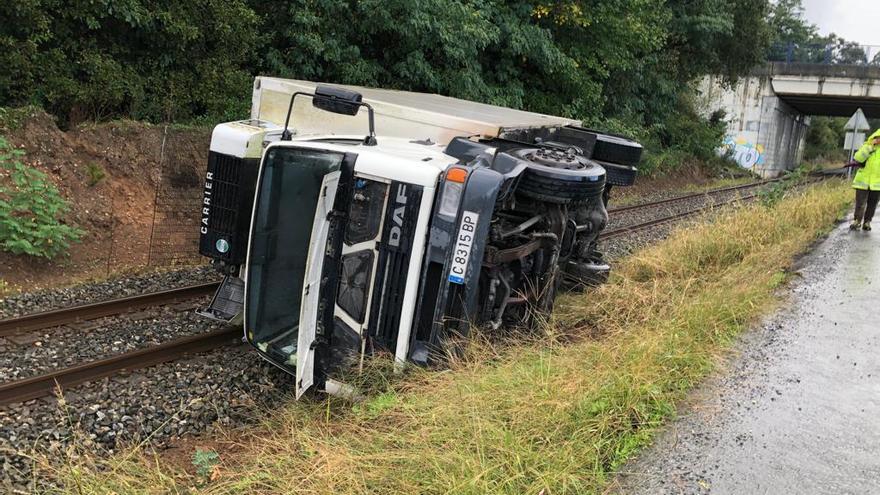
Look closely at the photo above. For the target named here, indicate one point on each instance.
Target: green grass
(557, 412)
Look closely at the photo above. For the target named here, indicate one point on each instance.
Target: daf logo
(397, 217)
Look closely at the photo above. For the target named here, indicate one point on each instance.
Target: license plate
(461, 250)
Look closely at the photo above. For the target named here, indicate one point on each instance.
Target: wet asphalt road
(797, 409)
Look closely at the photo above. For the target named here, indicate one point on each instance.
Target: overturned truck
(352, 221)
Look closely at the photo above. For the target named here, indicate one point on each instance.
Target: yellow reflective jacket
(868, 177)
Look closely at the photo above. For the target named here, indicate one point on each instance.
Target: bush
(31, 209)
(683, 138)
(95, 173)
(824, 140)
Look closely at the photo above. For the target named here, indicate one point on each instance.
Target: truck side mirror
(334, 100)
(337, 100)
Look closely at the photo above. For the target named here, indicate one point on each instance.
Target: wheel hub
(557, 158)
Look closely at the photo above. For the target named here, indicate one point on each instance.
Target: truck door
(295, 191)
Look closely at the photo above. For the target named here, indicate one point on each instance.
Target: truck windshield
(287, 198)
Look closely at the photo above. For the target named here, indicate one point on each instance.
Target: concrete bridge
(769, 112)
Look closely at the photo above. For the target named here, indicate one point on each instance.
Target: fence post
(156, 197)
(112, 231)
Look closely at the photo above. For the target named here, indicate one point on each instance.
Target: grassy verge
(555, 416)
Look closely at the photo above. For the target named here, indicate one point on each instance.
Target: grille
(226, 208)
(393, 283)
(394, 256)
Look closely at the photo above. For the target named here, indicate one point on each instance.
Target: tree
(147, 59)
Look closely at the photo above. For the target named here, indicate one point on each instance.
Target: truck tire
(558, 177)
(617, 150)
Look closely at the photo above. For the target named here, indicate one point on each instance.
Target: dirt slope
(117, 210)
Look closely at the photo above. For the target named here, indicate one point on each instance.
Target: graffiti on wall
(743, 151)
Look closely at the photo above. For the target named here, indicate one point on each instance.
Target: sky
(853, 20)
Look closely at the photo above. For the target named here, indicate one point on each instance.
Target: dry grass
(540, 417)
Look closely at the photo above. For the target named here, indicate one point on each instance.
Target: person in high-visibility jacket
(867, 182)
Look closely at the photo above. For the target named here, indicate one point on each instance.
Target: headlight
(452, 189)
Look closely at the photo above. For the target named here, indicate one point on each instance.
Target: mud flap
(227, 303)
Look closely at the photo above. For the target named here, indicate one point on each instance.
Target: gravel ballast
(62, 347)
(641, 215)
(224, 387)
(49, 299)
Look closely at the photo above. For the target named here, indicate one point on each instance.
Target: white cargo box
(398, 113)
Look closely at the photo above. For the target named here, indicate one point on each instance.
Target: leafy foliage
(30, 209)
(163, 60)
(205, 462)
(798, 40)
(825, 139)
(612, 63)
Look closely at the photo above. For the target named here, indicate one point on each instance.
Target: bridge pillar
(765, 134)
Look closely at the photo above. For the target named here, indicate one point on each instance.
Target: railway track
(85, 312)
(703, 194)
(622, 231)
(41, 385)
(46, 384)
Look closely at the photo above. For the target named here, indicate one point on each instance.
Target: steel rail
(709, 192)
(46, 384)
(608, 234)
(54, 318)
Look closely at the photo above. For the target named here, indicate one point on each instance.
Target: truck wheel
(617, 150)
(560, 177)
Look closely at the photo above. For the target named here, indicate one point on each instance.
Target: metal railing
(825, 54)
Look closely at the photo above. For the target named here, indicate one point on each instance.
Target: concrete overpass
(769, 111)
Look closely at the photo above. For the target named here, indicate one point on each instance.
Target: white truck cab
(337, 246)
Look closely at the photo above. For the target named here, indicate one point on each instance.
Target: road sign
(854, 140)
(857, 122)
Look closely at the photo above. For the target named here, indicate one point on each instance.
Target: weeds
(12, 118)
(778, 190)
(543, 415)
(206, 463)
(95, 173)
